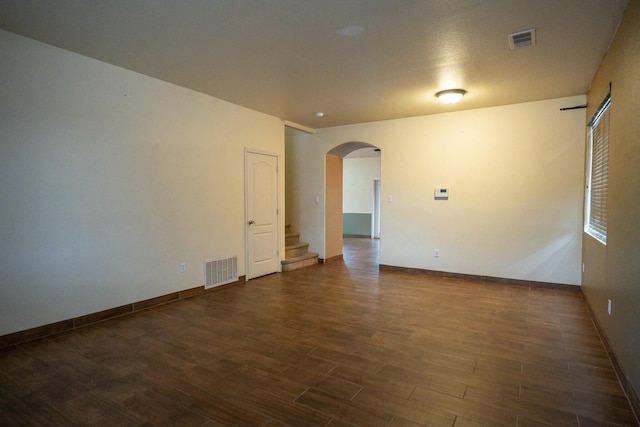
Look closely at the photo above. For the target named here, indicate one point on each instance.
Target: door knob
(251, 222)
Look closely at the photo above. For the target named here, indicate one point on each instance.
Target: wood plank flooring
(340, 344)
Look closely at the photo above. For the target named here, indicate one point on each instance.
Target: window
(598, 173)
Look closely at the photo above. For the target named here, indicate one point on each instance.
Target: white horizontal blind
(598, 178)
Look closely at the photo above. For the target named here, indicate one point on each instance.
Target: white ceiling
(286, 58)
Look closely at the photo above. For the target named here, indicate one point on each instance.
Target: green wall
(356, 223)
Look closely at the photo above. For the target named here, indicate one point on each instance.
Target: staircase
(297, 253)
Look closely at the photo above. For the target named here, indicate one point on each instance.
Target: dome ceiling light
(451, 96)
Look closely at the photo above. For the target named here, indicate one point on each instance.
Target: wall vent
(522, 39)
(220, 272)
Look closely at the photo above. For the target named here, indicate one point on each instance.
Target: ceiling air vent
(522, 39)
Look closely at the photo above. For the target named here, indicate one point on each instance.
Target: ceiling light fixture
(319, 114)
(451, 96)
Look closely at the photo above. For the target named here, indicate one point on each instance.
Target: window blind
(598, 173)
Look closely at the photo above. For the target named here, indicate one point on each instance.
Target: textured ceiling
(286, 58)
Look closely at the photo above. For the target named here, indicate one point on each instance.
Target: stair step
(296, 250)
(309, 258)
(291, 238)
(297, 253)
(297, 245)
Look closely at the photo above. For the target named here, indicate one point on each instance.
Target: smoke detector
(522, 39)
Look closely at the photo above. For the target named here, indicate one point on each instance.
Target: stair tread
(297, 245)
(308, 255)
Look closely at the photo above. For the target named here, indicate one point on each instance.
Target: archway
(334, 162)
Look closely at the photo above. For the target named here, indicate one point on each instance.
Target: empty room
(327, 213)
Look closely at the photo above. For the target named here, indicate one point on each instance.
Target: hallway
(330, 345)
(361, 253)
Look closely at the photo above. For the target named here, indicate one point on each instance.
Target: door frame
(246, 213)
(375, 218)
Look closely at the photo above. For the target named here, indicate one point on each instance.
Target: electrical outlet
(609, 307)
(183, 267)
(436, 253)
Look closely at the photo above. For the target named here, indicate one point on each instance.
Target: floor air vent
(220, 272)
(522, 39)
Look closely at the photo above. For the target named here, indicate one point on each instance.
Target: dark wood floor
(334, 345)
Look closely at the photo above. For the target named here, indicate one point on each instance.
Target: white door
(261, 222)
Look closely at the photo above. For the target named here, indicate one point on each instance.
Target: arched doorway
(334, 168)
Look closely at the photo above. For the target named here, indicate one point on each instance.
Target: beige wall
(333, 206)
(515, 175)
(305, 200)
(613, 271)
(358, 176)
(109, 180)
